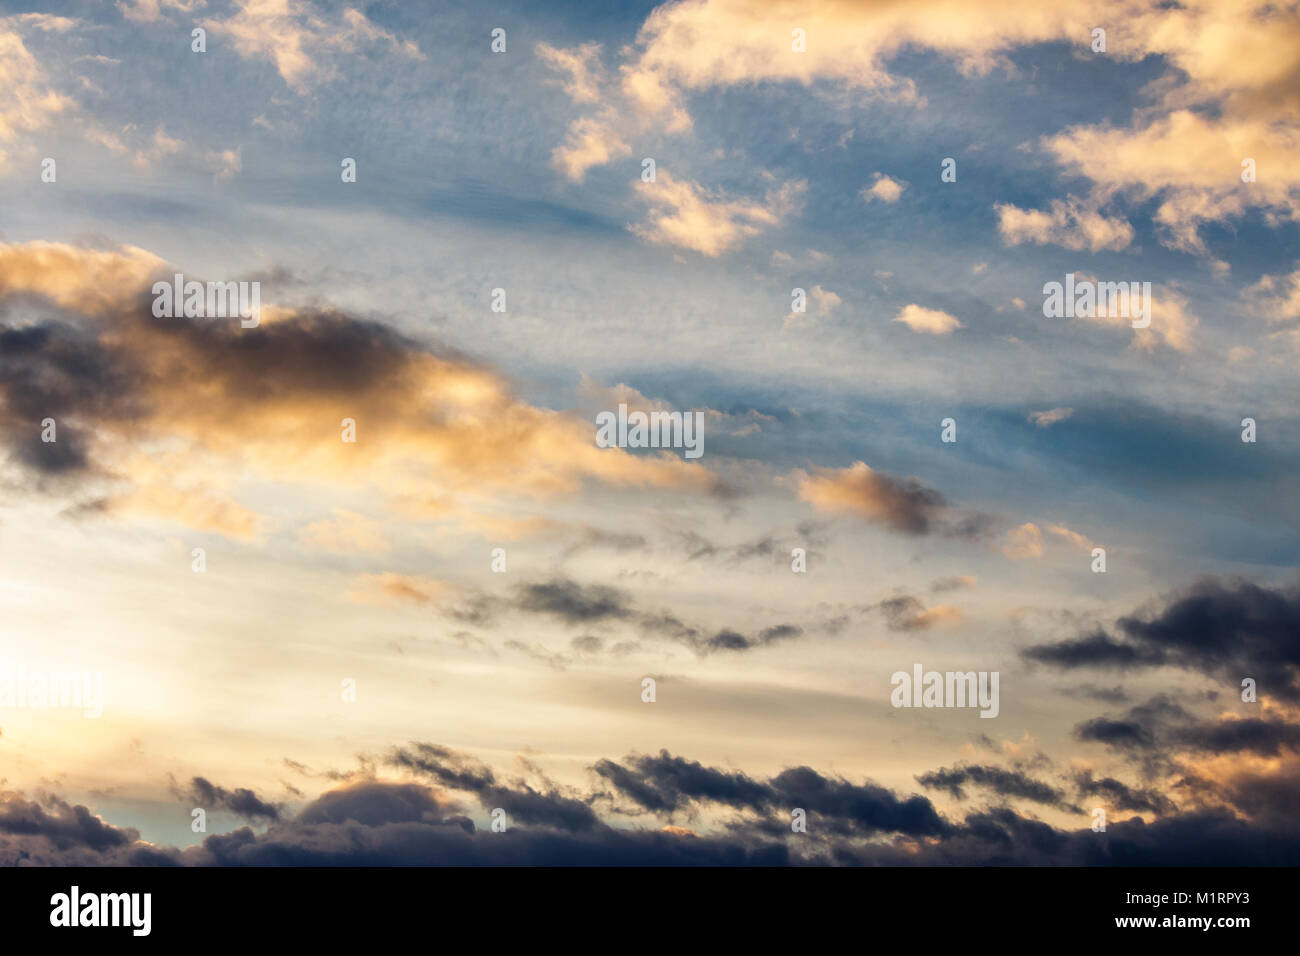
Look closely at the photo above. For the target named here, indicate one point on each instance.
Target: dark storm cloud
(1224, 629)
(319, 353)
(60, 822)
(1094, 650)
(372, 804)
(520, 801)
(1119, 734)
(1271, 799)
(1254, 735)
(1141, 733)
(241, 801)
(451, 769)
(866, 807)
(1000, 780)
(665, 783)
(111, 373)
(54, 370)
(372, 822)
(1120, 796)
(53, 832)
(1161, 730)
(998, 836)
(367, 824)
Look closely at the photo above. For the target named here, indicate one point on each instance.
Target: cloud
(1165, 740)
(30, 102)
(1069, 223)
(578, 605)
(1276, 297)
(1172, 324)
(581, 65)
(590, 142)
(1070, 537)
(665, 783)
(1001, 781)
(906, 613)
(53, 832)
(900, 504)
(1225, 629)
(1209, 111)
(1025, 541)
(1050, 417)
(1191, 163)
(522, 803)
(223, 164)
(928, 321)
(736, 818)
(151, 11)
(1109, 695)
(181, 412)
(300, 41)
(904, 505)
(242, 802)
(685, 214)
(76, 278)
(726, 43)
(885, 189)
(824, 301)
(1121, 796)
(572, 602)
(1094, 650)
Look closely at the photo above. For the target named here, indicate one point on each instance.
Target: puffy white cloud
(929, 321)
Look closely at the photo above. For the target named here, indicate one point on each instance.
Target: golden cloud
(178, 415)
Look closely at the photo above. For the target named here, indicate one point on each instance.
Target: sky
(359, 580)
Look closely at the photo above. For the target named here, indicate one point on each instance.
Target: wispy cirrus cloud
(301, 41)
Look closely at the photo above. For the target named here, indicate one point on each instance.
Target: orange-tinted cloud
(176, 414)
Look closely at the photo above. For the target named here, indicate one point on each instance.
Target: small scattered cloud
(685, 214)
(1047, 419)
(884, 188)
(928, 321)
